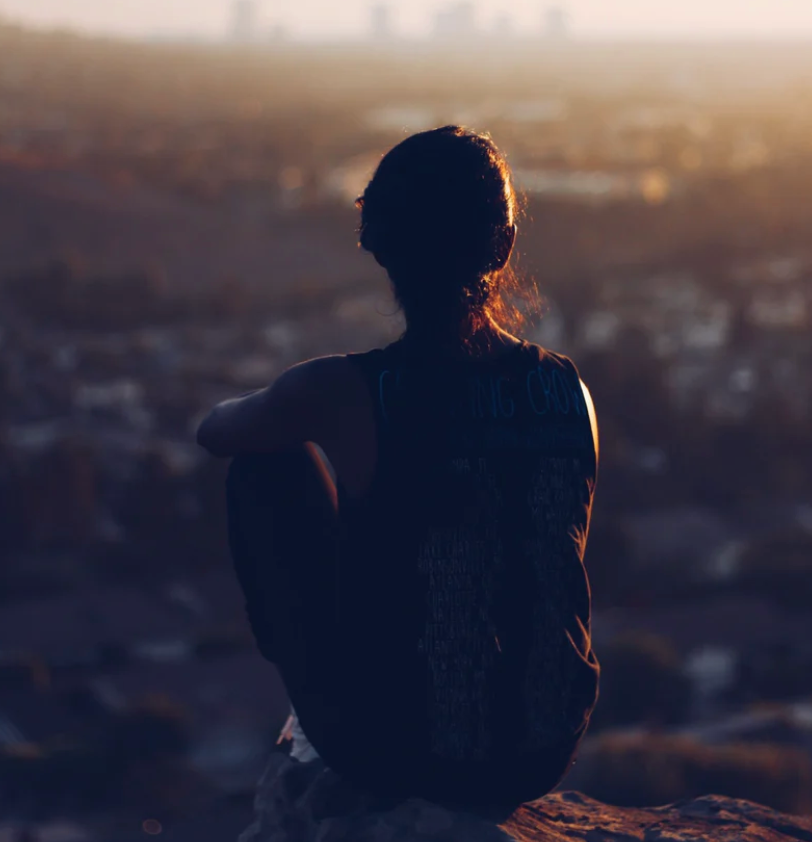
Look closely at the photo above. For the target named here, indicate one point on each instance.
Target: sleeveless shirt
(462, 663)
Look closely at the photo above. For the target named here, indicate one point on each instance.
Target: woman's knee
(259, 473)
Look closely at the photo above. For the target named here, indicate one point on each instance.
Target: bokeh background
(176, 226)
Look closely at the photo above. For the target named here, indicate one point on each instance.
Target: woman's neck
(487, 342)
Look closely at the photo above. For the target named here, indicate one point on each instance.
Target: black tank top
(463, 606)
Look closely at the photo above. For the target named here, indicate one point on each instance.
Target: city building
(381, 22)
(277, 33)
(503, 26)
(455, 22)
(244, 21)
(556, 23)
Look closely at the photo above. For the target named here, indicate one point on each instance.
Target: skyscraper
(381, 21)
(503, 26)
(457, 21)
(556, 23)
(244, 21)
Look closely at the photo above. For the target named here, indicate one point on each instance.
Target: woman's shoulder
(555, 359)
(322, 373)
(337, 376)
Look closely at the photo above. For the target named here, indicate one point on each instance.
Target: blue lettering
(554, 391)
(561, 393)
(546, 386)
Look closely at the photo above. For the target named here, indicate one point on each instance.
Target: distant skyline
(326, 18)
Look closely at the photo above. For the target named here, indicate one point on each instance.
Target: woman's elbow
(208, 438)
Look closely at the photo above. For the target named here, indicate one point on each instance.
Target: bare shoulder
(326, 393)
(303, 404)
(322, 376)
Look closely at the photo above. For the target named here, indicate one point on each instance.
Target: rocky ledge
(305, 802)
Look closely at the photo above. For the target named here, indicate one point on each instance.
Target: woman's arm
(288, 412)
(593, 419)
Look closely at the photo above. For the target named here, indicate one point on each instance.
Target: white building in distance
(556, 23)
(456, 22)
(381, 22)
(244, 21)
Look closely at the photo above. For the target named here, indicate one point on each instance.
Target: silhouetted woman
(429, 612)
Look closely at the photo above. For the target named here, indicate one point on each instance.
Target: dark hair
(439, 216)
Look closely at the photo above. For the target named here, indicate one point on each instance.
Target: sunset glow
(320, 18)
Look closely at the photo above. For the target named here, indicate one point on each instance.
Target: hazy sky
(323, 17)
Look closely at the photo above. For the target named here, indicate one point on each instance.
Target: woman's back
(431, 616)
(461, 648)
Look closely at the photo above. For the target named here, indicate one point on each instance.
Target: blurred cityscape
(176, 226)
(452, 22)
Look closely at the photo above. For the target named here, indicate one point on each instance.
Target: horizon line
(276, 33)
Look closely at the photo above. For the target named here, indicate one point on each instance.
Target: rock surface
(305, 802)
